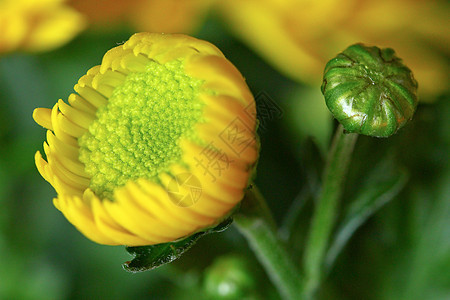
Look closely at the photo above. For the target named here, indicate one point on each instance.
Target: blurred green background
(402, 250)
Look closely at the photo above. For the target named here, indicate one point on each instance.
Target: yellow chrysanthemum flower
(158, 142)
(37, 25)
(298, 37)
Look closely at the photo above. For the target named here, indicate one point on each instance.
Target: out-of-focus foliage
(402, 251)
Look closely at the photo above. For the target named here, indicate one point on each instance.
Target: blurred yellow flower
(37, 25)
(299, 36)
(168, 16)
(159, 142)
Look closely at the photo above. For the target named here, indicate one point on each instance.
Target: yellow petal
(43, 116)
(80, 215)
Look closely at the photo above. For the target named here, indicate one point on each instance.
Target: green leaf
(381, 186)
(153, 256)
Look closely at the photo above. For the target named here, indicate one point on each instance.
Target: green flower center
(136, 134)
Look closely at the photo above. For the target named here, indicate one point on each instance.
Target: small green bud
(369, 90)
(229, 277)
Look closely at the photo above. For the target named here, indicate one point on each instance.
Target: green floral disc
(369, 90)
(136, 134)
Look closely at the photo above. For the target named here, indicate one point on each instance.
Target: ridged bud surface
(369, 90)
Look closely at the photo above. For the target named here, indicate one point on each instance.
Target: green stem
(326, 206)
(255, 222)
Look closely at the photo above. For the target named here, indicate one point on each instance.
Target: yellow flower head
(37, 25)
(158, 142)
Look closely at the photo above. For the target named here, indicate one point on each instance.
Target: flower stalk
(326, 206)
(256, 224)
